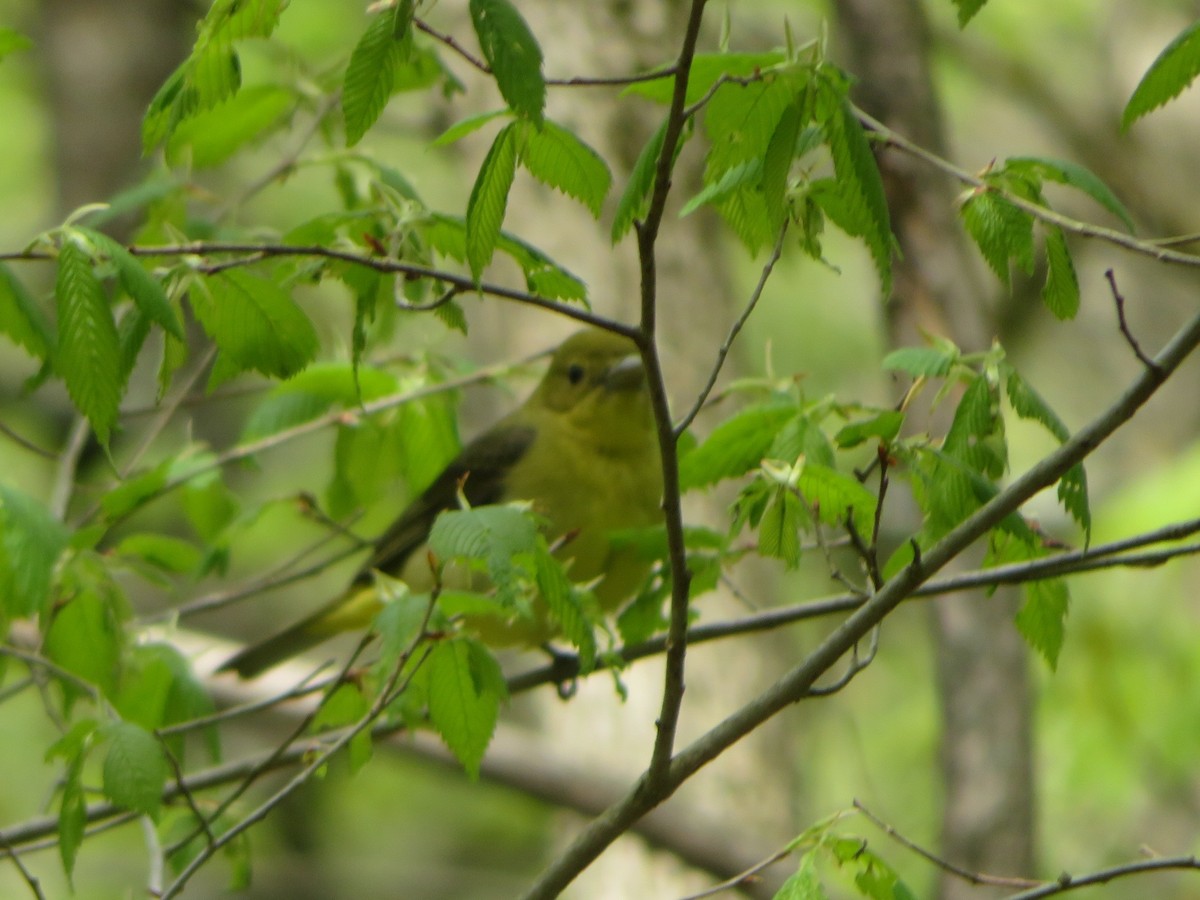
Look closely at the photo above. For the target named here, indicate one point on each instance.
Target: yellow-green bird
(582, 449)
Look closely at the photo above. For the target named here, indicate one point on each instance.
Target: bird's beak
(626, 374)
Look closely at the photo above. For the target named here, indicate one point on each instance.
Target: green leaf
(313, 392)
(1029, 404)
(736, 446)
(212, 137)
(556, 157)
(371, 74)
(489, 199)
(1000, 230)
(513, 54)
(744, 174)
(21, 318)
(1074, 175)
(779, 528)
(135, 768)
(1061, 290)
(463, 698)
(171, 554)
(922, 362)
(1174, 69)
(1073, 494)
(884, 426)
(857, 174)
(563, 601)
(88, 356)
(469, 125)
(635, 199)
(12, 42)
(1042, 617)
(342, 709)
(741, 119)
(143, 287)
(31, 541)
(255, 323)
(967, 10)
(837, 497)
(400, 621)
(72, 817)
(85, 639)
(493, 534)
(804, 883)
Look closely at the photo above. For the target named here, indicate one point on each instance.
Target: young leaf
(135, 768)
(469, 125)
(1060, 293)
(462, 705)
(967, 10)
(1029, 404)
(489, 199)
(72, 817)
(736, 446)
(343, 708)
(1073, 494)
(255, 323)
(884, 426)
(88, 356)
(563, 601)
(858, 178)
(30, 543)
(1042, 617)
(779, 528)
(145, 290)
(636, 196)
(1074, 175)
(85, 639)
(1000, 230)
(922, 362)
(371, 73)
(513, 54)
(555, 156)
(1174, 69)
(211, 137)
(20, 317)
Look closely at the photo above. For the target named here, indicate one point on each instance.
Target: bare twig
(1066, 882)
(22, 441)
(68, 464)
(946, 865)
(683, 424)
(1119, 302)
(30, 879)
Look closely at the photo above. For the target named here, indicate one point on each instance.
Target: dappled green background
(1118, 726)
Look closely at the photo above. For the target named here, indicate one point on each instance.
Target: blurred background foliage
(1118, 725)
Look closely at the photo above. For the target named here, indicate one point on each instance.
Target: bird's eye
(575, 373)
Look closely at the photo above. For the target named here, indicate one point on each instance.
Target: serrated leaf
(210, 138)
(736, 446)
(88, 356)
(885, 426)
(744, 174)
(562, 599)
(255, 323)
(1041, 619)
(163, 551)
(462, 707)
(371, 73)
(315, 391)
(558, 158)
(1002, 232)
(741, 119)
(72, 818)
(1174, 69)
(31, 540)
(804, 883)
(1060, 293)
(1076, 176)
(1029, 404)
(635, 199)
(1073, 494)
(494, 534)
(141, 286)
(135, 768)
(779, 528)
(489, 199)
(922, 362)
(21, 318)
(469, 125)
(343, 708)
(836, 497)
(513, 54)
(85, 639)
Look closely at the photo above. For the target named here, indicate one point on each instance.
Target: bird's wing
(483, 464)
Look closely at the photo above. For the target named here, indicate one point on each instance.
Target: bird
(582, 450)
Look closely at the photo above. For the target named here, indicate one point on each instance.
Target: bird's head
(597, 383)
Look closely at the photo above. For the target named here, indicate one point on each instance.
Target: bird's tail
(352, 611)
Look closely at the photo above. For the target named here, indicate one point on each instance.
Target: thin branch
(22, 441)
(35, 886)
(1066, 882)
(1119, 302)
(739, 880)
(977, 878)
(647, 237)
(648, 791)
(68, 465)
(683, 424)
